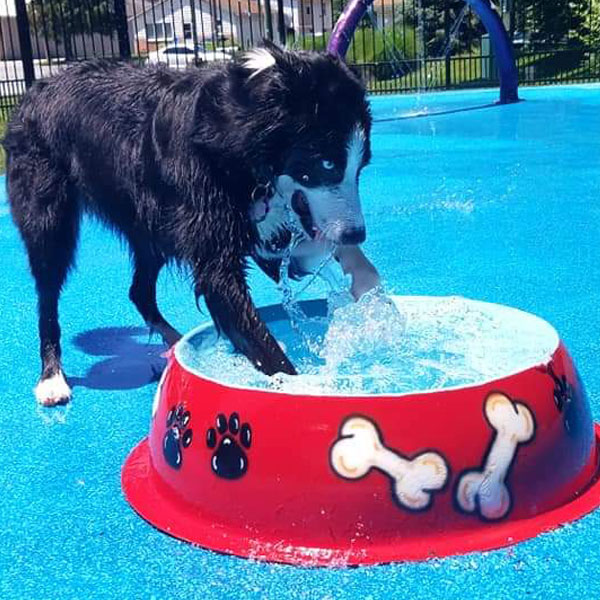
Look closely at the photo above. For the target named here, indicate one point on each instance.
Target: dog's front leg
(364, 274)
(228, 300)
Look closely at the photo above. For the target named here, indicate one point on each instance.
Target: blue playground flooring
(498, 203)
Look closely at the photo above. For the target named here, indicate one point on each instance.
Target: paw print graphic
(566, 400)
(229, 440)
(178, 436)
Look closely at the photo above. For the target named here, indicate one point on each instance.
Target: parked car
(182, 55)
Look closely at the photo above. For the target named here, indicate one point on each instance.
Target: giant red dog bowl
(346, 480)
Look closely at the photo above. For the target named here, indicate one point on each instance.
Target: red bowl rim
(276, 310)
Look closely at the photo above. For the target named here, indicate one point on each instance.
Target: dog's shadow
(128, 359)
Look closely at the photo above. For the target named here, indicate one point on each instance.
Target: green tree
(589, 32)
(62, 20)
(594, 25)
(437, 19)
(551, 22)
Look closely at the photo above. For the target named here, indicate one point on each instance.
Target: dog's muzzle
(349, 234)
(353, 236)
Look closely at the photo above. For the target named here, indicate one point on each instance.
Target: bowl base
(163, 509)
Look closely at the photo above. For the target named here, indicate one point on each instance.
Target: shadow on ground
(127, 358)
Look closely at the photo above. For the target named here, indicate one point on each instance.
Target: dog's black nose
(353, 237)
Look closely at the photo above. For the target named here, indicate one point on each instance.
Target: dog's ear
(263, 58)
(273, 48)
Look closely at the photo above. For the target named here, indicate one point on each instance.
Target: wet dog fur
(171, 161)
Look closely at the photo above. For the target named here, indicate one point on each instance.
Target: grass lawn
(368, 45)
(466, 71)
(7, 104)
(2, 156)
(465, 68)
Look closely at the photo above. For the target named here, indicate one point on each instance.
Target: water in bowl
(383, 345)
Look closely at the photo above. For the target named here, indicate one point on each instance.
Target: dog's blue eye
(327, 164)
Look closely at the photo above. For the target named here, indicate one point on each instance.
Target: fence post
(281, 22)
(269, 19)
(195, 29)
(25, 42)
(447, 65)
(122, 29)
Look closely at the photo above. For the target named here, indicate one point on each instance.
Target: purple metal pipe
(509, 78)
(503, 50)
(346, 26)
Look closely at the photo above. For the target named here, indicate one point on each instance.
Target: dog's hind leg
(45, 209)
(143, 294)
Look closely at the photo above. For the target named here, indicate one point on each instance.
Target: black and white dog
(176, 163)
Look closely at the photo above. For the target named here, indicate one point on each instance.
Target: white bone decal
(360, 449)
(486, 490)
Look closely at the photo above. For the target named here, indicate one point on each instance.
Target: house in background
(43, 41)
(153, 24)
(310, 16)
(238, 23)
(9, 37)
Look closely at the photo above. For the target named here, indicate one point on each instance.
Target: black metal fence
(400, 46)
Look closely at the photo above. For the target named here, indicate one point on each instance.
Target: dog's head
(313, 129)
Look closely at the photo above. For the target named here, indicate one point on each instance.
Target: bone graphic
(360, 449)
(486, 490)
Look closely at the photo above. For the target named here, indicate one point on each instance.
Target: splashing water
(368, 333)
(290, 300)
(429, 69)
(454, 31)
(383, 345)
(378, 345)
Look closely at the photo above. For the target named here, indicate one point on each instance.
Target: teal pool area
(494, 203)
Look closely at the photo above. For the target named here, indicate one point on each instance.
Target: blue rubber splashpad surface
(498, 203)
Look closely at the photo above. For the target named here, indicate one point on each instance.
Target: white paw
(53, 391)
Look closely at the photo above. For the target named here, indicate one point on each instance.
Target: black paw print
(565, 398)
(177, 437)
(229, 459)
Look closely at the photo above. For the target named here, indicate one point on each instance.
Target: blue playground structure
(507, 69)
